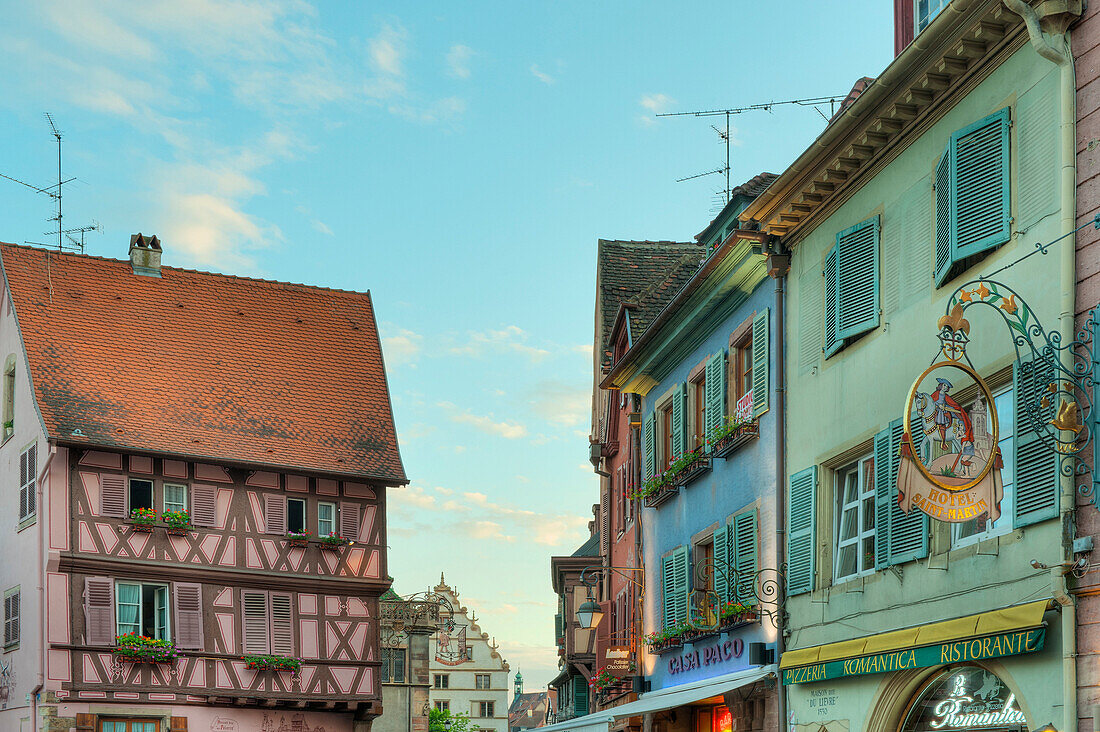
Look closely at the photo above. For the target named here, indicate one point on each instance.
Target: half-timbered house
(202, 461)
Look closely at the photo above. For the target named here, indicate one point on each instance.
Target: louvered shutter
(24, 506)
(801, 534)
(274, 514)
(945, 228)
(883, 497)
(649, 445)
(255, 622)
(605, 520)
(679, 433)
(112, 495)
(1036, 479)
(204, 505)
(744, 531)
(857, 278)
(99, 611)
(833, 341)
(559, 632)
(349, 521)
(715, 411)
(761, 352)
(721, 581)
(580, 696)
(668, 589)
(188, 616)
(980, 183)
(682, 569)
(899, 537)
(282, 625)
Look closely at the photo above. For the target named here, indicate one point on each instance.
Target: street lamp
(589, 614)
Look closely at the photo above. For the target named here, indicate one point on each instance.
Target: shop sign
(971, 649)
(706, 655)
(618, 661)
(950, 466)
(743, 411)
(966, 699)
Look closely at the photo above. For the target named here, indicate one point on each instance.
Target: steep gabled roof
(204, 366)
(643, 276)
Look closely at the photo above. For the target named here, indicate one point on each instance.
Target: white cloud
(561, 403)
(400, 346)
(654, 104)
(411, 496)
(386, 51)
(458, 61)
(506, 429)
(509, 338)
(541, 75)
(487, 530)
(322, 227)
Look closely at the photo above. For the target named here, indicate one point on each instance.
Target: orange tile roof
(204, 365)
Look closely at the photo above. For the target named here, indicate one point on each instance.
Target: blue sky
(459, 160)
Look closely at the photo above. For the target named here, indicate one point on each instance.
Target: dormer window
(926, 10)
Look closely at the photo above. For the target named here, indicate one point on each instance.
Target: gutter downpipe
(1063, 59)
(779, 262)
(43, 514)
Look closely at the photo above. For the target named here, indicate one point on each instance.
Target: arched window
(964, 699)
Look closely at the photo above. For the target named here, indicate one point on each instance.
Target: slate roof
(590, 548)
(204, 365)
(536, 702)
(643, 275)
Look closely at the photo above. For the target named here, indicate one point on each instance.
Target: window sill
(11, 647)
(29, 521)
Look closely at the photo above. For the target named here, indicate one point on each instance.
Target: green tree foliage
(441, 720)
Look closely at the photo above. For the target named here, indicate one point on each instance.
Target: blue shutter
(884, 496)
(721, 570)
(668, 589)
(744, 531)
(980, 178)
(649, 444)
(716, 392)
(908, 531)
(832, 341)
(800, 531)
(679, 428)
(945, 227)
(857, 279)
(760, 363)
(1036, 479)
(683, 581)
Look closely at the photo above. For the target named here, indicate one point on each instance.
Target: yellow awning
(1005, 620)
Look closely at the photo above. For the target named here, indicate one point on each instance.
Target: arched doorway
(962, 699)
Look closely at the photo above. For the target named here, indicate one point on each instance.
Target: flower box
(660, 496)
(333, 543)
(272, 663)
(736, 614)
(177, 523)
(297, 538)
(143, 520)
(134, 648)
(177, 530)
(693, 470)
(301, 543)
(724, 446)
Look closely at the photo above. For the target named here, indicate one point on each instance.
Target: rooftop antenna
(815, 102)
(57, 135)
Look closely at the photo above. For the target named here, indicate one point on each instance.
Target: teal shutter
(716, 392)
(649, 444)
(1036, 479)
(857, 279)
(674, 585)
(981, 185)
(832, 341)
(884, 496)
(945, 227)
(760, 363)
(679, 433)
(800, 531)
(580, 696)
(668, 589)
(721, 580)
(744, 531)
(683, 581)
(908, 531)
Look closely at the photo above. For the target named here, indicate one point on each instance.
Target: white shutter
(255, 624)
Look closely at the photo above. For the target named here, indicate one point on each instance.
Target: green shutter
(668, 589)
(679, 433)
(649, 444)
(675, 577)
(559, 630)
(832, 341)
(945, 228)
(801, 531)
(908, 531)
(980, 180)
(580, 696)
(721, 580)
(1036, 479)
(857, 278)
(716, 392)
(884, 496)
(760, 363)
(744, 531)
(683, 581)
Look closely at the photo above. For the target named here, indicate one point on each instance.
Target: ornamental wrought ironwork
(424, 611)
(757, 591)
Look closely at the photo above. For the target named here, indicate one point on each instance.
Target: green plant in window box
(297, 538)
(272, 663)
(178, 522)
(9, 428)
(737, 612)
(731, 430)
(332, 542)
(143, 519)
(684, 463)
(670, 635)
(134, 648)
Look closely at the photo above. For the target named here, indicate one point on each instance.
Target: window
(28, 475)
(482, 681)
(441, 681)
(851, 285)
(443, 705)
(982, 528)
(326, 519)
(393, 665)
(972, 195)
(483, 709)
(11, 617)
(141, 608)
(469, 653)
(742, 367)
(855, 526)
(703, 579)
(141, 494)
(295, 515)
(9, 397)
(666, 436)
(699, 411)
(926, 10)
(129, 725)
(175, 497)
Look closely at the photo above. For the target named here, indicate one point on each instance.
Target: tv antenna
(724, 134)
(54, 192)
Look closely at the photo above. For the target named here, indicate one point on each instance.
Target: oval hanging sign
(950, 465)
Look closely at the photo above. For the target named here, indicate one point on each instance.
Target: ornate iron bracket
(759, 589)
(419, 610)
(1060, 379)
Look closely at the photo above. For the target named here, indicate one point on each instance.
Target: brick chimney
(145, 255)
